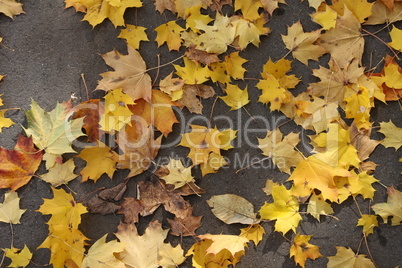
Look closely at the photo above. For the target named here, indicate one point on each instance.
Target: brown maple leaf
(139, 147)
(91, 110)
(103, 202)
(190, 100)
(18, 166)
(201, 56)
(154, 193)
(129, 74)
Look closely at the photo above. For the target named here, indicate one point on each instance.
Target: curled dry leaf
(104, 201)
(189, 97)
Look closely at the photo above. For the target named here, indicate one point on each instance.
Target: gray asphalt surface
(44, 53)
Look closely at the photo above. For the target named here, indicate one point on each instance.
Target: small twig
(157, 72)
(85, 85)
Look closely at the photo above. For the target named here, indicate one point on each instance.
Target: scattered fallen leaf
(301, 250)
(10, 209)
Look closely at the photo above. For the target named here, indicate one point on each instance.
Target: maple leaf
(190, 100)
(327, 18)
(362, 184)
(249, 9)
(102, 254)
(268, 186)
(162, 5)
(393, 135)
(147, 250)
(301, 44)
(18, 166)
(284, 210)
(231, 208)
(279, 70)
(103, 202)
(317, 207)
(158, 113)
(192, 73)
(194, 15)
(312, 173)
(246, 33)
(361, 9)
(98, 10)
(282, 151)
(391, 208)
(178, 174)
(66, 245)
(235, 98)
(4, 122)
(383, 14)
(253, 233)
(10, 8)
(64, 209)
(133, 35)
(139, 147)
(10, 209)
(273, 93)
(338, 150)
(91, 111)
(217, 250)
(172, 86)
(60, 173)
(389, 80)
(301, 250)
(368, 222)
(233, 64)
(358, 106)
(216, 37)
(129, 74)
(335, 80)
(360, 139)
(344, 42)
(169, 33)
(76, 4)
(183, 7)
(53, 132)
(100, 159)
(346, 258)
(19, 257)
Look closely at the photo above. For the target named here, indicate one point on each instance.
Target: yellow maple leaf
(129, 74)
(64, 209)
(327, 18)
(345, 257)
(358, 106)
(147, 250)
(317, 206)
(272, 92)
(194, 15)
(19, 257)
(279, 70)
(117, 114)
(338, 150)
(235, 98)
(396, 37)
(178, 174)
(234, 63)
(213, 164)
(282, 151)
(368, 222)
(103, 255)
(301, 250)
(246, 32)
(100, 159)
(60, 173)
(134, 35)
(10, 8)
(362, 184)
(361, 9)
(393, 135)
(65, 245)
(253, 233)
(216, 37)
(301, 44)
(312, 173)
(249, 9)
(169, 33)
(10, 209)
(192, 73)
(203, 259)
(391, 208)
(172, 86)
(284, 209)
(99, 10)
(4, 122)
